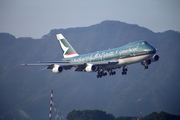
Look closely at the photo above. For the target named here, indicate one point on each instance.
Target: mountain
(25, 91)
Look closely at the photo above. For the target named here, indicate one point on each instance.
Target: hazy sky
(35, 18)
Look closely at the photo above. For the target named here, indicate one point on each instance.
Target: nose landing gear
(146, 63)
(145, 66)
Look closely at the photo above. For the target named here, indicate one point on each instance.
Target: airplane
(102, 62)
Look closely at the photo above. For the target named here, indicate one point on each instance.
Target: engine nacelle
(155, 58)
(57, 69)
(90, 68)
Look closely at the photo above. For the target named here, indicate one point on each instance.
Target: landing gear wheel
(101, 73)
(114, 72)
(124, 73)
(145, 67)
(110, 73)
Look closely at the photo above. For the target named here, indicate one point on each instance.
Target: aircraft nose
(152, 49)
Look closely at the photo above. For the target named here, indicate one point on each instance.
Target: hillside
(102, 115)
(28, 89)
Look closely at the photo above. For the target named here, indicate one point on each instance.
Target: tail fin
(67, 49)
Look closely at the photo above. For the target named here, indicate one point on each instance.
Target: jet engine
(155, 58)
(90, 68)
(57, 69)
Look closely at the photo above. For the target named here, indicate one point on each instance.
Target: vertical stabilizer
(67, 49)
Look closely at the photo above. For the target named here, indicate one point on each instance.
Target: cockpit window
(144, 43)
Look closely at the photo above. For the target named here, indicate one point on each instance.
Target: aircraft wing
(110, 62)
(101, 64)
(68, 65)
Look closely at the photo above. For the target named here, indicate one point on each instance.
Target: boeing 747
(102, 62)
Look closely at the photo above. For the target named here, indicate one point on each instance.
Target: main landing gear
(111, 72)
(104, 73)
(101, 73)
(124, 71)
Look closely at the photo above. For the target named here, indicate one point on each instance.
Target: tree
(161, 116)
(89, 115)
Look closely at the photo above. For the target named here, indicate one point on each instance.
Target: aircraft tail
(67, 49)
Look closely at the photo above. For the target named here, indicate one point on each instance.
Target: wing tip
(23, 64)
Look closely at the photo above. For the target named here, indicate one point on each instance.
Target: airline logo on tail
(67, 49)
(64, 48)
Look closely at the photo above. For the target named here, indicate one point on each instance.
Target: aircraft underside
(110, 70)
(105, 72)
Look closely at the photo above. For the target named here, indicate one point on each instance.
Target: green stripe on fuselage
(129, 50)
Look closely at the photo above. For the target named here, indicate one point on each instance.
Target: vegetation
(89, 115)
(102, 115)
(161, 116)
(126, 118)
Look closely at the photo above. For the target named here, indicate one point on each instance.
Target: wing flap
(37, 64)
